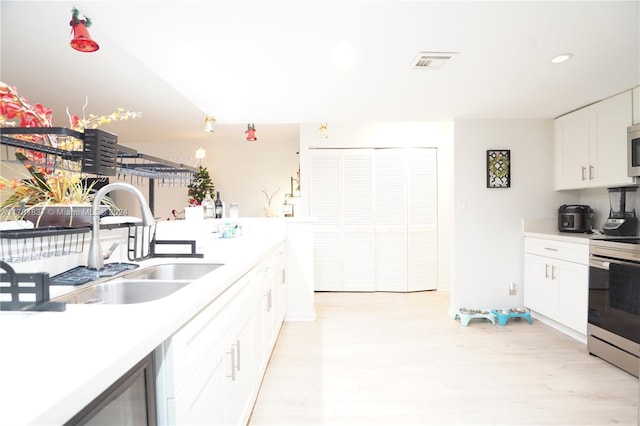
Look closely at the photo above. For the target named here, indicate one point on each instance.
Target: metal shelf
(96, 158)
(97, 152)
(132, 162)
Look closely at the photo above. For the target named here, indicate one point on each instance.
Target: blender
(622, 216)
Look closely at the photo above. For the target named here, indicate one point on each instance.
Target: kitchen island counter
(55, 363)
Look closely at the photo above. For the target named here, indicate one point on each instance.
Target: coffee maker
(622, 216)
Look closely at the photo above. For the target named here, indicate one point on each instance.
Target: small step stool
(466, 317)
(503, 316)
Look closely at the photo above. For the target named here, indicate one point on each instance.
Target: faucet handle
(107, 254)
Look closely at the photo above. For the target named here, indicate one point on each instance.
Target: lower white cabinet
(556, 281)
(209, 372)
(271, 274)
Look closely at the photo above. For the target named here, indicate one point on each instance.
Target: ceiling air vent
(431, 60)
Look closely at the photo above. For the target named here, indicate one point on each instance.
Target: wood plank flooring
(399, 359)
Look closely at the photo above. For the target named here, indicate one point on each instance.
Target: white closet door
(325, 205)
(422, 219)
(357, 220)
(377, 219)
(390, 220)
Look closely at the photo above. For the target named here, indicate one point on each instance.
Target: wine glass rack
(95, 152)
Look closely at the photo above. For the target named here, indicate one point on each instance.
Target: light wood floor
(398, 359)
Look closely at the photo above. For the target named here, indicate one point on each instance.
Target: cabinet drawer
(562, 250)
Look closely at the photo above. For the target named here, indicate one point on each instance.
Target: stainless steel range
(614, 302)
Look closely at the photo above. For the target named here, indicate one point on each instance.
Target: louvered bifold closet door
(390, 220)
(422, 196)
(325, 205)
(357, 220)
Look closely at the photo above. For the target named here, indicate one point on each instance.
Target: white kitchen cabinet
(209, 372)
(636, 105)
(376, 227)
(540, 289)
(590, 145)
(240, 384)
(272, 305)
(556, 281)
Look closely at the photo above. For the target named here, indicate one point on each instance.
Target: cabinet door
(241, 383)
(201, 401)
(609, 148)
(572, 150)
(279, 291)
(573, 294)
(636, 105)
(541, 285)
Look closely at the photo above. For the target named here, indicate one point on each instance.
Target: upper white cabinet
(636, 105)
(590, 145)
(376, 219)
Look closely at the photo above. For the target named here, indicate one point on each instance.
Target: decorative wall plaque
(498, 168)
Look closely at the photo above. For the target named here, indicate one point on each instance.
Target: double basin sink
(140, 285)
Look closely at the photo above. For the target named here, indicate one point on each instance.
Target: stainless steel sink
(174, 271)
(123, 292)
(140, 286)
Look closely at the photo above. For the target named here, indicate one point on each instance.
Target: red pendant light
(82, 41)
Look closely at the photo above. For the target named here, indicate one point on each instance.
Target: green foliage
(197, 189)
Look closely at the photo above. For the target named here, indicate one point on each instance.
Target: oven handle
(603, 262)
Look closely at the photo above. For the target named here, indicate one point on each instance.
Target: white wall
(240, 170)
(488, 241)
(393, 134)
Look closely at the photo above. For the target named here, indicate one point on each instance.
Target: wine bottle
(218, 206)
(209, 206)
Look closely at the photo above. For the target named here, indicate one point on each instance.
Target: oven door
(614, 297)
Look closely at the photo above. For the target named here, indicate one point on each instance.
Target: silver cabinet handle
(591, 169)
(546, 271)
(238, 354)
(268, 307)
(553, 272)
(551, 249)
(232, 354)
(584, 170)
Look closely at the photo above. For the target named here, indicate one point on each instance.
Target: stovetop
(616, 239)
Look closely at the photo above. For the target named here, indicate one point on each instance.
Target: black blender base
(626, 229)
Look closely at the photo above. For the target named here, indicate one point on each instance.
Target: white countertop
(52, 364)
(548, 228)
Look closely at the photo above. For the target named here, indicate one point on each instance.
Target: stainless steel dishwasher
(129, 401)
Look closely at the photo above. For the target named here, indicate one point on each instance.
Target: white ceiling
(271, 61)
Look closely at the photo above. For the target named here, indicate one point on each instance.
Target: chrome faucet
(96, 258)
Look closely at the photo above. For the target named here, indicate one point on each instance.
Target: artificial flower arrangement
(48, 181)
(29, 197)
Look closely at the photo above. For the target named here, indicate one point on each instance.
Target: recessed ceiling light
(561, 58)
